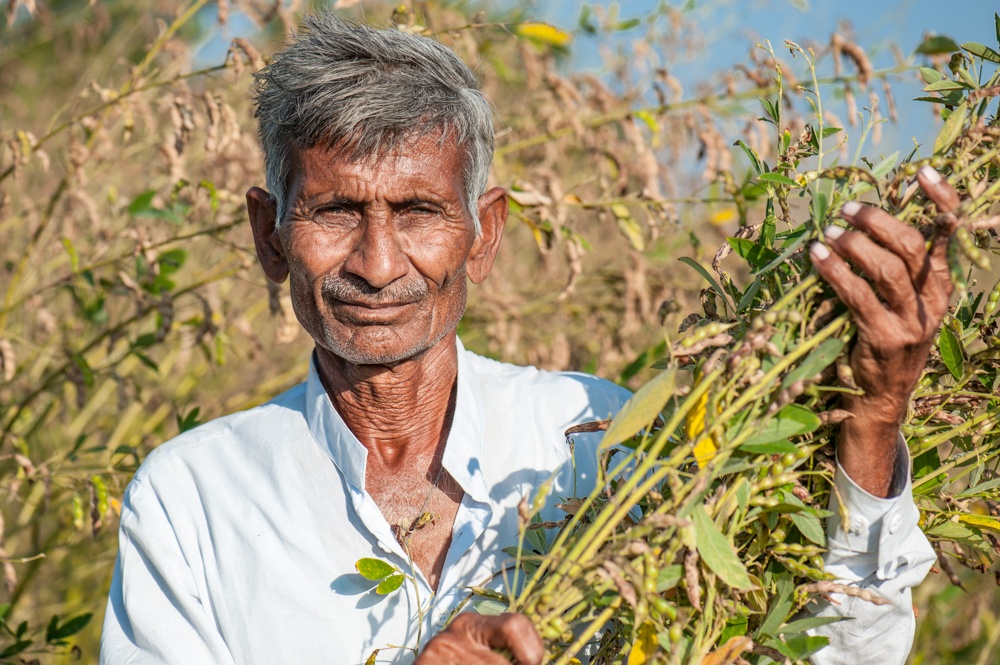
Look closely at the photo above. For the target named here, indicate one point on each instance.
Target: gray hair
(366, 91)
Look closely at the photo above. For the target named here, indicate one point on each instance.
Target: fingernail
(850, 209)
(930, 174)
(819, 252)
(833, 232)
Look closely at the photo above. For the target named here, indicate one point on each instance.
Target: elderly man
(239, 539)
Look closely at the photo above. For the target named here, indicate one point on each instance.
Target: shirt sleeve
(874, 544)
(155, 614)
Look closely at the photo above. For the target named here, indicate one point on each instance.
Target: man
(239, 539)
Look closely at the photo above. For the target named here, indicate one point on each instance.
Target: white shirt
(239, 539)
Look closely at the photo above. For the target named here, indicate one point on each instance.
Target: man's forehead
(421, 161)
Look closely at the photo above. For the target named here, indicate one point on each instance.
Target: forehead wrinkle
(396, 179)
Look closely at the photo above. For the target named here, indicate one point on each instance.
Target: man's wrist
(867, 443)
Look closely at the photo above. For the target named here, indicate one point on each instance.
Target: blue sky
(731, 27)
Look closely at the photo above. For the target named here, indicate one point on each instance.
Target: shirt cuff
(870, 532)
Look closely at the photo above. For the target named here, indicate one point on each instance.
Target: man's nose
(378, 258)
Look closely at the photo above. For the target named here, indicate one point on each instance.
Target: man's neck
(399, 412)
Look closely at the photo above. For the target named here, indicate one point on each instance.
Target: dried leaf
(729, 651)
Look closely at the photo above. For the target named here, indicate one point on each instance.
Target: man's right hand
(472, 639)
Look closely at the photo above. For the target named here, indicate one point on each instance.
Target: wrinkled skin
(378, 253)
(474, 640)
(897, 321)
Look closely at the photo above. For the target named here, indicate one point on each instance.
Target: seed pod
(992, 302)
(968, 246)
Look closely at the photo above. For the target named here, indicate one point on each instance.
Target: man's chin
(374, 347)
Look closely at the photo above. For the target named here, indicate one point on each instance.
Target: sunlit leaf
(819, 359)
(952, 128)
(668, 577)
(373, 569)
(778, 179)
(951, 352)
(810, 527)
(645, 645)
(641, 409)
(984, 52)
(792, 420)
(717, 552)
(729, 651)
(389, 584)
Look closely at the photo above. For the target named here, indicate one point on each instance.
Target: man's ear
(263, 212)
(492, 220)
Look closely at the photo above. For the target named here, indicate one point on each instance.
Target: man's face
(378, 251)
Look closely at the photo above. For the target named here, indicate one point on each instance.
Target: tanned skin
(378, 254)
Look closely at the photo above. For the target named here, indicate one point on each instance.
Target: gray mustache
(350, 288)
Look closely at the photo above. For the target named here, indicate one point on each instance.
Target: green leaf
(803, 625)
(772, 110)
(752, 156)
(937, 44)
(931, 75)
(490, 606)
(951, 352)
(374, 569)
(171, 261)
(717, 552)
(952, 128)
(792, 420)
(984, 52)
(749, 294)
(704, 273)
(17, 647)
(755, 254)
(780, 607)
(810, 527)
(951, 531)
(946, 84)
(778, 178)
(72, 627)
(389, 584)
(818, 360)
(141, 204)
(668, 577)
(641, 409)
(772, 448)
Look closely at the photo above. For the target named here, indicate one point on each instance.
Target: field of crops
(132, 309)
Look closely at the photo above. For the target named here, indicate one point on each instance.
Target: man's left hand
(896, 320)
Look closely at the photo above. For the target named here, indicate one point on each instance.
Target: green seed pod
(788, 459)
(676, 633)
(968, 246)
(992, 302)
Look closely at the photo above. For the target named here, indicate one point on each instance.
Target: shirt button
(895, 521)
(859, 525)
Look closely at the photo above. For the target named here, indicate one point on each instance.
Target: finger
(518, 634)
(850, 288)
(904, 241)
(512, 632)
(887, 271)
(448, 649)
(938, 189)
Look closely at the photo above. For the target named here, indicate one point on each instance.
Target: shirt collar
(463, 450)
